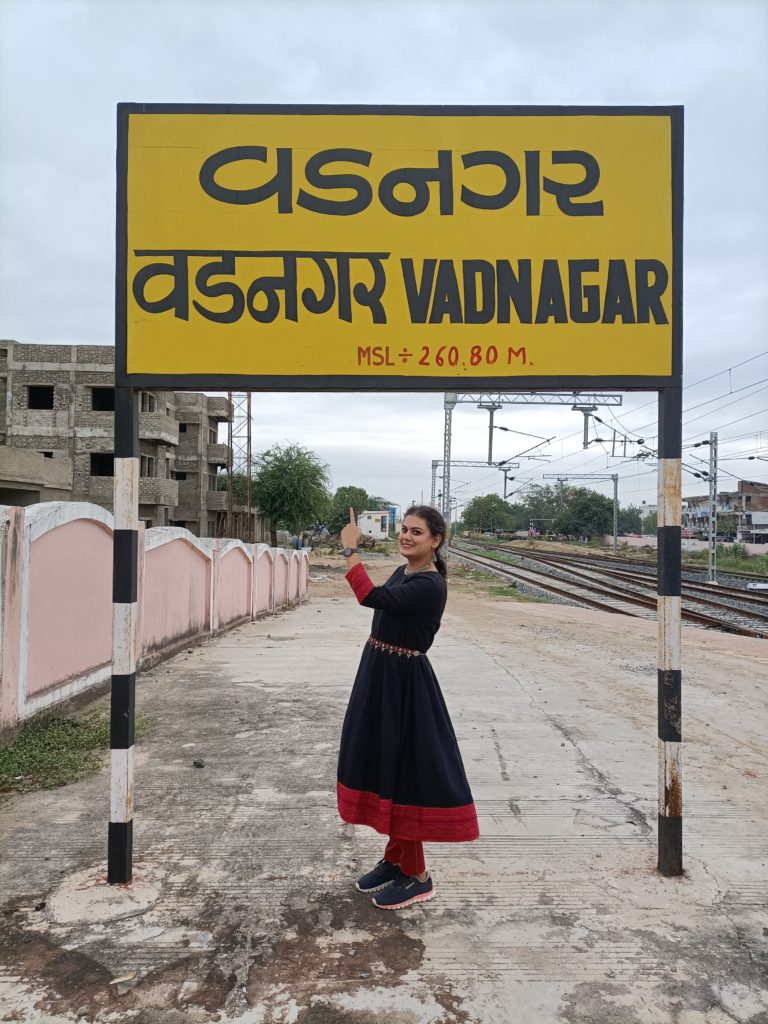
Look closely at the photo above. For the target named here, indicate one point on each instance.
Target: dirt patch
(71, 979)
(327, 1013)
(327, 574)
(317, 949)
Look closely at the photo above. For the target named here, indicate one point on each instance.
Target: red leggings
(408, 853)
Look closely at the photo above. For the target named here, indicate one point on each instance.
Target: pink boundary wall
(175, 603)
(280, 577)
(688, 544)
(263, 592)
(235, 583)
(56, 597)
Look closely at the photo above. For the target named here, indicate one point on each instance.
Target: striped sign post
(124, 609)
(669, 617)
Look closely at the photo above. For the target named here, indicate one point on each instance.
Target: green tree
(488, 512)
(520, 516)
(291, 488)
(239, 487)
(542, 503)
(584, 513)
(376, 503)
(727, 524)
(344, 497)
(649, 524)
(630, 520)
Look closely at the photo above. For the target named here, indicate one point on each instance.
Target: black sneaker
(379, 878)
(403, 892)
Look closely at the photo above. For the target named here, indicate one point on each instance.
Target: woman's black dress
(400, 770)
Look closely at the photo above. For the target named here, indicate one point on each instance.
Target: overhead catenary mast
(240, 520)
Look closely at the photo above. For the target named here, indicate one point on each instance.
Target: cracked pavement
(243, 909)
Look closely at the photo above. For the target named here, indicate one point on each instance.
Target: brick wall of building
(74, 430)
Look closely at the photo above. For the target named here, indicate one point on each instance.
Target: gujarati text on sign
(364, 245)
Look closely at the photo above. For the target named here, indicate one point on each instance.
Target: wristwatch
(349, 551)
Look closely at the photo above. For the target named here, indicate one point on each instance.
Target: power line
(532, 477)
(686, 387)
(760, 412)
(736, 392)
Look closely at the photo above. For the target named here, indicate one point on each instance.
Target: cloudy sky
(64, 64)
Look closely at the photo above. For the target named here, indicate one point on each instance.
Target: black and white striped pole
(669, 615)
(124, 610)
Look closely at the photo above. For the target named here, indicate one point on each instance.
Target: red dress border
(407, 821)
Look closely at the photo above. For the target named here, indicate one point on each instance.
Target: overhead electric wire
(528, 479)
(686, 387)
(760, 412)
(719, 373)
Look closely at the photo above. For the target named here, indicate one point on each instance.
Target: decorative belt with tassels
(392, 649)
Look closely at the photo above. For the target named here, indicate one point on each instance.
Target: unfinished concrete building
(199, 455)
(57, 407)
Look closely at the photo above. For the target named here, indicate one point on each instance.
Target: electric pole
(712, 560)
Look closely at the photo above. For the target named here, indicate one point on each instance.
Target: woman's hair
(436, 525)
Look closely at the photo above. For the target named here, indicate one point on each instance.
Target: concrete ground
(243, 909)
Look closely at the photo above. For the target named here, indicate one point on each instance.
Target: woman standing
(400, 770)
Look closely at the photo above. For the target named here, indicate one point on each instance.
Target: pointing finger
(352, 516)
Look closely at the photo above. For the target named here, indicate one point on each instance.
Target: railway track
(643, 563)
(626, 591)
(643, 575)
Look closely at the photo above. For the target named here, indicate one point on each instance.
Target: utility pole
(435, 464)
(450, 405)
(504, 467)
(712, 560)
(587, 410)
(491, 407)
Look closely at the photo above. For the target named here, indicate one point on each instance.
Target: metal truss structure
(494, 400)
(240, 518)
(436, 463)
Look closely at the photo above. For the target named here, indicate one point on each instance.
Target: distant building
(375, 524)
(742, 510)
(27, 477)
(199, 456)
(57, 438)
(758, 531)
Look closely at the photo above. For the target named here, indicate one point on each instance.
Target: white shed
(374, 524)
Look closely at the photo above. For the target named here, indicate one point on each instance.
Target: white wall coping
(279, 553)
(227, 546)
(49, 515)
(263, 549)
(157, 536)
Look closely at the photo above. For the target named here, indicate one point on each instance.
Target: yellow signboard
(398, 247)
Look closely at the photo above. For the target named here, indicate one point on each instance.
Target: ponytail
(440, 565)
(437, 527)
